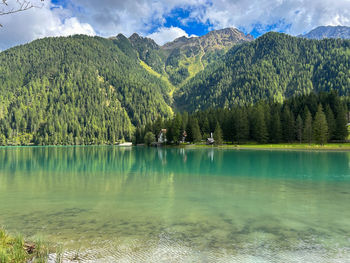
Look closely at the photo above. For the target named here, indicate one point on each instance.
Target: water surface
(180, 205)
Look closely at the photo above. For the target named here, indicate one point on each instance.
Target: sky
(165, 20)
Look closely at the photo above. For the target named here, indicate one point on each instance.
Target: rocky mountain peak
(322, 32)
(216, 39)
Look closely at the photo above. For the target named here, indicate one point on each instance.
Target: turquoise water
(112, 204)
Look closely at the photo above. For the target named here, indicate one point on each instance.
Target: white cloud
(41, 22)
(292, 16)
(167, 34)
(110, 17)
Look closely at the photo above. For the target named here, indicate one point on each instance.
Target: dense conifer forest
(75, 90)
(314, 118)
(275, 66)
(91, 90)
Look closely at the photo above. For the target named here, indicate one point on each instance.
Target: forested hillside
(90, 90)
(76, 90)
(274, 66)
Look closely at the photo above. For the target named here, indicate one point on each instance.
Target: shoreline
(16, 248)
(291, 146)
(297, 147)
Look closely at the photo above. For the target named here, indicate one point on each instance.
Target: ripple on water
(166, 249)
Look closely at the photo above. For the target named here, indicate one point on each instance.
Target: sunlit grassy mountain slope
(184, 57)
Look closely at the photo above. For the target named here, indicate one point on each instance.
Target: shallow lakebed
(180, 205)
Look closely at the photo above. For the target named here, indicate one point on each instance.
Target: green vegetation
(149, 138)
(171, 87)
(185, 57)
(320, 127)
(275, 66)
(84, 90)
(148, 51)
(16, 250)
(76, 90)
(298, 119)
(282, 146)
(218, 135)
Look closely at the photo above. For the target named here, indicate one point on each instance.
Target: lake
(180, 205)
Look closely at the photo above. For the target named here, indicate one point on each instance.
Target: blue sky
(165, 20)
(192, 27)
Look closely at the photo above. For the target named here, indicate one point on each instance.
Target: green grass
(194, 65)
(14, 249)
(156, 74)
(296, 146)
(164, 78)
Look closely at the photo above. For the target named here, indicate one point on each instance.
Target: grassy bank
(286, 146)
(14, 249)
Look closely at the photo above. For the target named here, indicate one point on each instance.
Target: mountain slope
(322, 32)
(77, 87)
(180, 60)
(149, 52)
(274, 66)
(216, 39)
(82, 90)
(185, 57)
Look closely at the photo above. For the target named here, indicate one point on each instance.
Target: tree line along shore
(316, 118)
(307, 119)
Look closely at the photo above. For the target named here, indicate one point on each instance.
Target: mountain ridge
(222, 37)
(274, 66)
(182, 58)
(82, 89)
(322, 32)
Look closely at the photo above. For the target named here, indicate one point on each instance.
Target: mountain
(87, 90)
(80, 89)
(179, 60)
(185, 57)
(322, 32)
(275, 66)
(83, 90)
(217, 39)
(149, 52)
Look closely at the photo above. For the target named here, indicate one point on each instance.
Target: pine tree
(275, 128)
(259, 126)
(241, 125)
(139, 136)
(307, 133)
(175, 128)
(218, 140)
(196, 132)
(299, 128)
(157, 125)
(184, 120)
(193, 131)
(330, 121)
(288, 129)
(170, 134)
(149, 138)
(320, 127)
(206, 127)
(341, 130)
